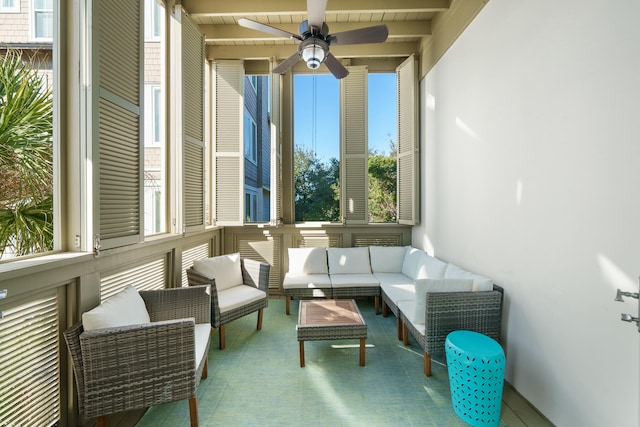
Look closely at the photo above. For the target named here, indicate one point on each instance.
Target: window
(155, 174)
(42, 19)
(153, 20)
(316, 136)
(9, 6)
(382, 132)
(250, 206)
(254, 82)
(250, 138)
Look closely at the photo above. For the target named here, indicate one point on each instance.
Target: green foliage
(317, 188)
(26, 157)
(382, 188)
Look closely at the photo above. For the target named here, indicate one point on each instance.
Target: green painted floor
(257, 380)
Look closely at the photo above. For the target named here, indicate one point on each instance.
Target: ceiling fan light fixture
(314, 52)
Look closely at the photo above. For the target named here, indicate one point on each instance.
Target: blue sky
(325, 107)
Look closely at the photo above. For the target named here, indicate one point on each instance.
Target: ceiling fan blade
(253, 25)
(286, 64)
(375, 34)
(315, 13)
(336, 68)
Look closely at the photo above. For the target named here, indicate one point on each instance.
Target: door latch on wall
(626, 317)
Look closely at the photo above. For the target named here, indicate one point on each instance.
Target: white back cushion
(410, 262)
(436, 285)
(386, 259)
(430, 267)
(307, 261)
(349, 260)
(124, 308)
(225, 269)
(480, 283)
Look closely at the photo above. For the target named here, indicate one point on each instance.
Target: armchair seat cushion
(203, 331)
(238, 296)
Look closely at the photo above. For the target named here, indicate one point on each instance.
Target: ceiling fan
(315, 39)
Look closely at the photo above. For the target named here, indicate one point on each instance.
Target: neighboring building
(257, 140)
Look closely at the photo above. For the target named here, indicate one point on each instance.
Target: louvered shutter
(193, 125)
(194, 253)
(354, 146)
(30, 359)
(228, 148)
(115, 127)
(276, 150)
(408, 155)
(147, 276)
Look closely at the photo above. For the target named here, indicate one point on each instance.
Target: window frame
(15, 8)
(250, 145)
(33, 20)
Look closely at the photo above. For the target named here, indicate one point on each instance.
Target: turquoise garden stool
(476, 376)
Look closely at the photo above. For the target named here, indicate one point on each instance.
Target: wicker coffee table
(330, 320)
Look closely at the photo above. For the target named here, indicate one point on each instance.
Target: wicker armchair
(238, 301)
(138, 366)
(450, 311)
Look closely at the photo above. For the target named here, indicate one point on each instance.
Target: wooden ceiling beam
(280, 7)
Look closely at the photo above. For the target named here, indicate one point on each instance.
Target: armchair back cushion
(225, 269)
(307, 261)
(349, 260)
(386, 259)
(436, 285)
(124, 308)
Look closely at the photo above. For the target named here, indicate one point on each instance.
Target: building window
(254, 82)
(9, 6)
(316, 135)
(382, 132)
(250, 138)
(250, 206)
(42, 19)
(152, 20)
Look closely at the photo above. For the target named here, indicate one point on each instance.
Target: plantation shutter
(354, 146)
(276, 150)
(116, 125)
(228, 147)
(30, 359)
(144, 277)
(408, 155)
(193, 125)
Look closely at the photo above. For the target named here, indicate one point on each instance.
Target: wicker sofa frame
(450, 311)
(255, 274)
(138, 366)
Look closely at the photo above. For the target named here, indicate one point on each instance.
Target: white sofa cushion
(435, 285)
(124, 308)
(480, 283)
(349, 260)
(238, 296)
(297, 281)
(387, 259)
(408, 309)
(225, 269)
(308, 261)
(203, 331)
(411, 261)
(430, 267)
(353, 280)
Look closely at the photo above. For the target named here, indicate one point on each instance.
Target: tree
(26, 157)
(317, 187)
(382, 185)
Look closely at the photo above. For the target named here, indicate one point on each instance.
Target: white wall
(531, 176)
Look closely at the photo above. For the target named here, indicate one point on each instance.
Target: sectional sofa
(429, 297)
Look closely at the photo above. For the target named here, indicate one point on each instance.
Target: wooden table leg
(302, 354)
(362, 347)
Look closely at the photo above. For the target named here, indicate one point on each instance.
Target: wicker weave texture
(450, 311)
(137, 366)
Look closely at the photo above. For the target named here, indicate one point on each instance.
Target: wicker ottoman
(476, 377)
